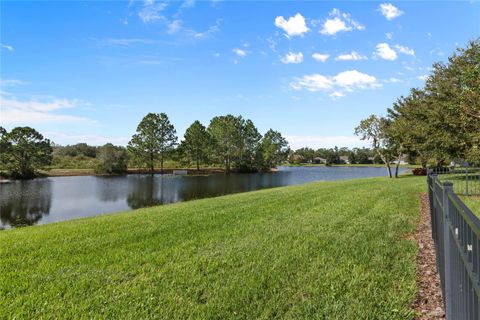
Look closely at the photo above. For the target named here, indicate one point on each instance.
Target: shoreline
(57, 172)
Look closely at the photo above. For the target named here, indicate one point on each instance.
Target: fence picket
(456, 234)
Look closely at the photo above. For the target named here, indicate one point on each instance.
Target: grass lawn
(325, 250)
(473, 202)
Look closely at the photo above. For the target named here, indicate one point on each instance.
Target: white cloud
(350, 56)
(11, 82)
(292, 57)
(384, 51)
(204, 34)
(336, 95)
(313, 82)
(393, 80)
(293, 26)
(34, 111)
(339, 22)
(316, 142)
(174, 26)
(240, 52)
(405, 50)
(389, 35)
(6, 46)
(354, 79)
(93, 139)
(336, 86)
(423, 77)
(389, 11)
(151, 11)
(322, 57)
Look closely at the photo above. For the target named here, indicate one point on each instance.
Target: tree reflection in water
(24, 203)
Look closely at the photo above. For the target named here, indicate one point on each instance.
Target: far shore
(57, 172)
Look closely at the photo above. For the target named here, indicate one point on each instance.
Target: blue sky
(89, 71)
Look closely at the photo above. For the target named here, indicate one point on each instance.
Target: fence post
(447, 188)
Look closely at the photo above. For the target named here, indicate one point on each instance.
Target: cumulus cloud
(339, 21)
(322, 57)
(389, 11)
(293, 26)
(34, 111)
(350, 56)
(240, 52)
(292, 57)
(389, 35)
(338, 85)
(404, 50)
(384, 51)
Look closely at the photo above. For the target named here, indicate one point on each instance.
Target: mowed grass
(326, 250)
(473, 203)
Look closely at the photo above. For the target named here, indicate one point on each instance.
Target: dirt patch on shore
(429, 303)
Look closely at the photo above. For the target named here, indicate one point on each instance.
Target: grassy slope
(333, 250)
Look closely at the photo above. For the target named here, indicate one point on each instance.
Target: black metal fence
(456, 233)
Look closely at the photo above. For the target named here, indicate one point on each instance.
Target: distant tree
(226, 132)
(362, 156)
(250, 158)
(23, 151)
(332, 156)
(306, 153)
(352, 157)
(197, 144)
(373, 129)
(154, 139)
(112, 159)
(274, 149)
(79, 149)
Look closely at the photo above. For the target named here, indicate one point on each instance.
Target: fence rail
(456, 233)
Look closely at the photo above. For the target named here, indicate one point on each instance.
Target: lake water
(48, 200)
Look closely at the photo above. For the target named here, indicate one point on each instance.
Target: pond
(47, 200)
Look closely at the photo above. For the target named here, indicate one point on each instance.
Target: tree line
(436, 124)
(229, 141)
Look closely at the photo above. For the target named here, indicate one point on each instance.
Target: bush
(419, 172)
(112, 159)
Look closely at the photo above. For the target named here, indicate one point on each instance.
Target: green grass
(473, 203)
(326, 250)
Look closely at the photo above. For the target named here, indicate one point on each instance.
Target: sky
(90, 71)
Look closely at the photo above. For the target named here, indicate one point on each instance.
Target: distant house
(402, 161)
(318, 160)
(344, 159)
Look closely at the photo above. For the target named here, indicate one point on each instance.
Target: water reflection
(24, 203)
(64, 198)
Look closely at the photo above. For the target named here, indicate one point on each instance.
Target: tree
(226, 132)
(274, 149)
(23, 151)
(196, 145)
(250, 158)
(154, 139)
(112, 159)
(373, 129)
